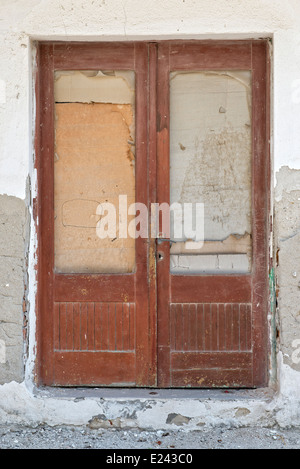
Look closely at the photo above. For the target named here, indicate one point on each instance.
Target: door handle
(162, 240)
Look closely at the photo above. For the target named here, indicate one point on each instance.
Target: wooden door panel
(84, 326)
(212, 327)
(211, 55)
(211, 289)
(100, 287)
(103, 369)
(208, 376)
(211, 344)
(92, 326)
(208, 327)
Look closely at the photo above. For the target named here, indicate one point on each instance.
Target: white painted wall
(23, 21)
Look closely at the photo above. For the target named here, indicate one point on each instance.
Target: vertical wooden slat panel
(214, 327)
(69, 326)
(83, 326)
(126, 327)
(111, 326)
(228, 326)
(91, 326)
(179, 327)
(76, 325)
(186, 326)
(243, 336)
(173, 326)
(94, 326)
(222, 327)
(249, 327)
(63, 325)
(200, 327)
(210, 326)
(56, 327)
(132, 319)
(235, 327)
(98, 326)
(104, 326)
(119, 326)
(193, 327)
(207, 323)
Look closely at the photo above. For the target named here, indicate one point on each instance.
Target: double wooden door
(124, 128)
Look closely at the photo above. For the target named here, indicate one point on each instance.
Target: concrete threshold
(143, 408)
(154, 409)
(154, 393)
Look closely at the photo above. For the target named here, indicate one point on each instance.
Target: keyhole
(160, 256)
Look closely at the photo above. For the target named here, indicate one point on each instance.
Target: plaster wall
(22, 22)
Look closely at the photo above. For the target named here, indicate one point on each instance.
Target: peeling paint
(95, 165)
(287, 241)
(23, 22)
(12, 275)
(215, 167)
(114, 87)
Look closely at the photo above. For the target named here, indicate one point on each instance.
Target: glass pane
(210, 164)
(94, 165)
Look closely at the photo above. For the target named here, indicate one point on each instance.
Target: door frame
(154, 143)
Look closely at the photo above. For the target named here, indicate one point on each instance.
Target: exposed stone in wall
(12, 249)
(287, 240)
(177, 419)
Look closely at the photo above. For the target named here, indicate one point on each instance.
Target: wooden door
(212, 303)
(146, 311)
(91, 142)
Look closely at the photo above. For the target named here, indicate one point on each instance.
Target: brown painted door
(213, 149)
(93, 325)
(174, 123)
